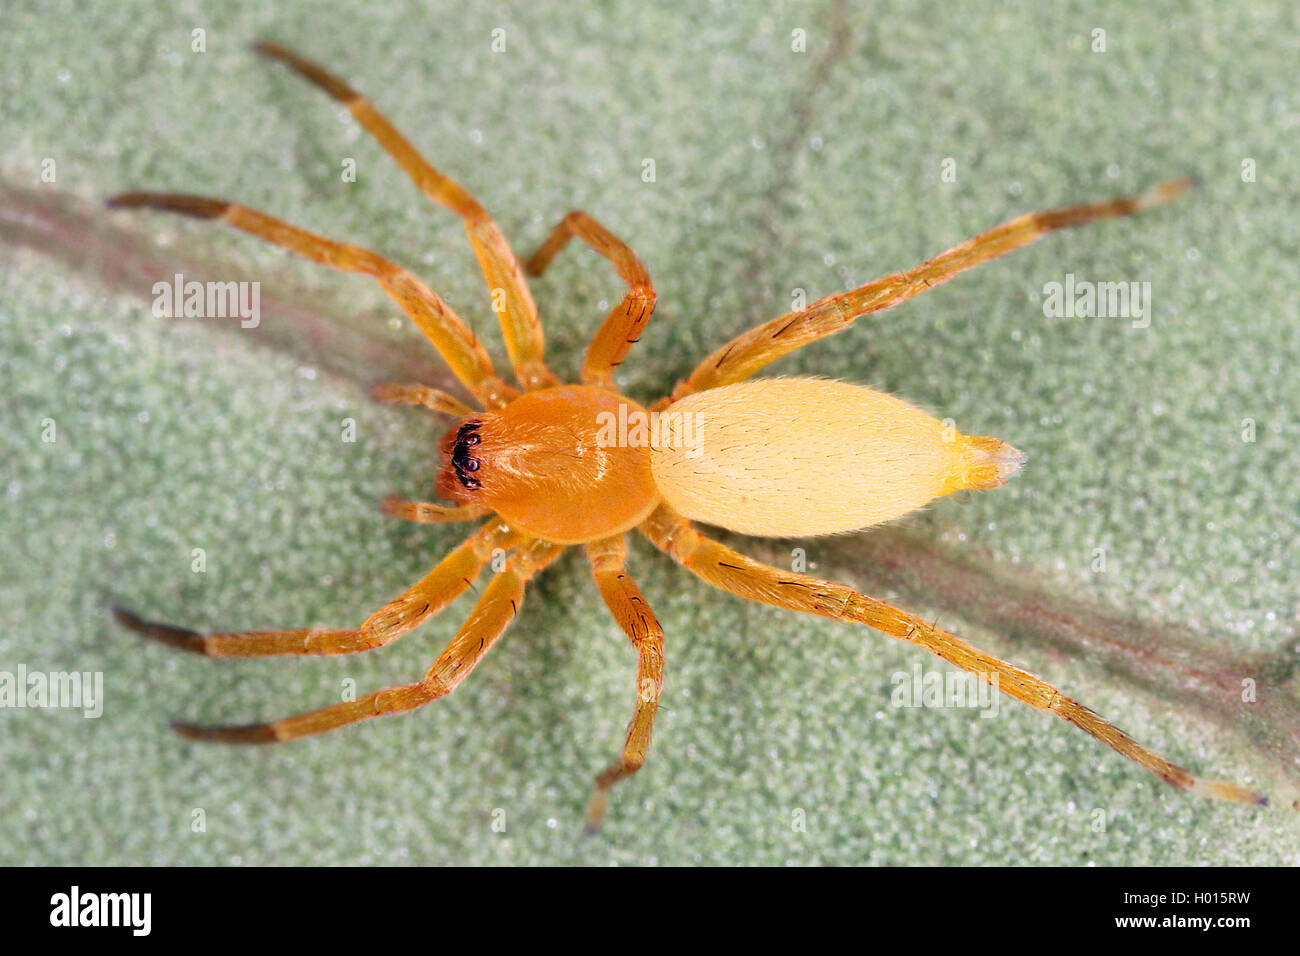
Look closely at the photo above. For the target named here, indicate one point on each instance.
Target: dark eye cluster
(467, 437)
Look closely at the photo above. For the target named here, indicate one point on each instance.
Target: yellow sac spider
(553, 465)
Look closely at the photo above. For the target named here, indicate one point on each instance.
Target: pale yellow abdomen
(794, 457)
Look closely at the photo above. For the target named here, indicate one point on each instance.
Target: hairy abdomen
(792, 457)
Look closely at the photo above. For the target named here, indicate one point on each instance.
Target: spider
(548, 468)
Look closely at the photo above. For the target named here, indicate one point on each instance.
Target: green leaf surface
(775, 171)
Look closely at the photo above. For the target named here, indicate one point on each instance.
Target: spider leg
(624, 600)
(430, 398)
(447, 581)
(622, 328)
(426, 512)
(490, 617)
(731, 571)
(513, 302)
(750, 351)
(436, 320)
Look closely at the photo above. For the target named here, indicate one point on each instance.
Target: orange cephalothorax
(550, 464)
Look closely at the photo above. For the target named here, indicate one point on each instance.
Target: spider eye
(456, 446)
(464, 465)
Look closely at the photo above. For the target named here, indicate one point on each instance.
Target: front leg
(489, 619)
(450, 578)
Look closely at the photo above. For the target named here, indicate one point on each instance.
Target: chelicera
(780, 457)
